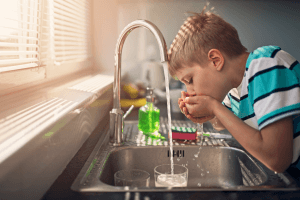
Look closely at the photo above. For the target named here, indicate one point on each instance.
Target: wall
(105, 34)
(258, 23)
(109, 18)
(30, 172)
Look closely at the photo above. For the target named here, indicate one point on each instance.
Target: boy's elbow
(278, 169)
(279, 165)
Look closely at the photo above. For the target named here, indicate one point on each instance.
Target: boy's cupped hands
(196, 108)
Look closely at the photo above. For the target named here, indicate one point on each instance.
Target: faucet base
(117, 144)
(116, 126)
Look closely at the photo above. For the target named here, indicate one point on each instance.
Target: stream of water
(199, 127)
(165, 65)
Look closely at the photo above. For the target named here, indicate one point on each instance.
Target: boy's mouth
(191, 95)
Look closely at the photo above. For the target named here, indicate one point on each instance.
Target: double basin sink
(213, 165)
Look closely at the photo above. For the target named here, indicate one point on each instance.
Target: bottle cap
(150, 96)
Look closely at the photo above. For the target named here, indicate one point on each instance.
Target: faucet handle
(128, 112)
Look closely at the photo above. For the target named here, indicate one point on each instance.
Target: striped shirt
(270, 91)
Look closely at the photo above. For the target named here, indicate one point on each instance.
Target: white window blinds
(71, 21)
(44, 33)
(19, 33)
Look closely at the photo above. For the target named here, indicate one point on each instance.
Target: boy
(255, 96)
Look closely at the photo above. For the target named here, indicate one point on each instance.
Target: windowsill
(27, 113)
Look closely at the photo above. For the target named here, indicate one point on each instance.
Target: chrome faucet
(116, 114)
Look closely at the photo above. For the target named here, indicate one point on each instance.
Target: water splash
(200, 132)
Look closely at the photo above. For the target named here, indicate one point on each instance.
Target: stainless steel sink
(214, 165)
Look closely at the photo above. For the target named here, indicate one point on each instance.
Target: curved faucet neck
(116, 115)
(118, 53)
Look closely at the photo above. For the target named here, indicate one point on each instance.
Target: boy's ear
(216, 58)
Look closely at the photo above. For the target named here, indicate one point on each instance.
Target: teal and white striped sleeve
(226, 102)
(273, 85)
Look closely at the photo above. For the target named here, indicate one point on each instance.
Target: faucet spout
(116, 113)
(120, 43)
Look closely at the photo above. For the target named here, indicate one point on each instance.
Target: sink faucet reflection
(116, 114)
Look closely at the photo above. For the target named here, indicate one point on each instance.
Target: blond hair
(199, 34)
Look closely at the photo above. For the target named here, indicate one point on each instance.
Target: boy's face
(203, 80)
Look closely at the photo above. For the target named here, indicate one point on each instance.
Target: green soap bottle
(149, 117)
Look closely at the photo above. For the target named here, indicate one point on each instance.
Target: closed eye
(186, 81)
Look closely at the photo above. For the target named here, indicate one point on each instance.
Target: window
(71, 29)
(19, 35)
(43, 39)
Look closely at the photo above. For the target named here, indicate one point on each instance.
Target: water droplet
(207, 172)
(198, 165)
(202, 174)
(186, 165)
(275, 172)
(199, 184)
(202, 169)
(178, 159)
(196, 155)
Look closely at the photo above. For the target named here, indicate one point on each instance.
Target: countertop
(60, 189)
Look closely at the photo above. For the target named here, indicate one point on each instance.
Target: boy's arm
(217, 125)
(273, 145)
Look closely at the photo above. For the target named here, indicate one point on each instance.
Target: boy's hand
(181, 102)
(199, 108)
(183, 107)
